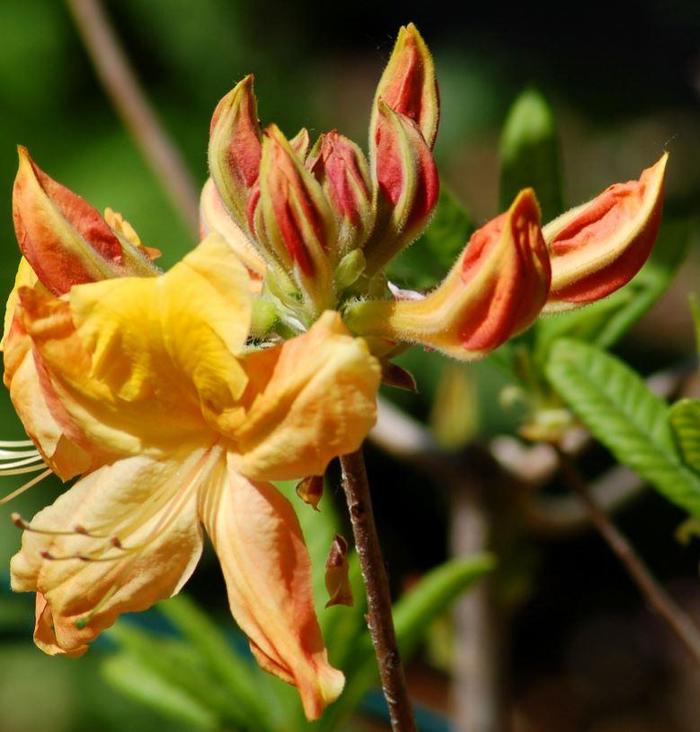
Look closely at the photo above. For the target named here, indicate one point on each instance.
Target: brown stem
(476, 678)
(122, 86)
(676, 618)
(379, 618)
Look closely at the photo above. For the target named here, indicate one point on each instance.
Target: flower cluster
(177, 398)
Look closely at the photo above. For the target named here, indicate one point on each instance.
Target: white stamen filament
(25, 486)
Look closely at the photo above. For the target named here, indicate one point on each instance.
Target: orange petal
(308, 400)
(496, 289)
(266, 566)
(118, 541)
(598, 247)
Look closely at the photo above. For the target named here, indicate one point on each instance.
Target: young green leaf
(142, 684)
(425, 263)
(685, 421)
(625, 415)
(530, 154)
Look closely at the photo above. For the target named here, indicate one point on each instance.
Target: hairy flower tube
(150, 390)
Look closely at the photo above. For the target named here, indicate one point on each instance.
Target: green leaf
(138, 682)
(603, 323)
(623, 414)
(695, 312)
(685, 421)
(179, 666)
(413, 614)
(239, 676)
(530, 154)
(426, 262)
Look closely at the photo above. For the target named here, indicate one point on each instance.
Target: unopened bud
(496, 289)
(598, 247)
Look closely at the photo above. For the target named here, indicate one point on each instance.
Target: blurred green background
(624, 80)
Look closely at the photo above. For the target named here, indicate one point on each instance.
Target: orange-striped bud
(215, 218)
(65, 239)
(495, 290)
(235, 149)
(293, 222)
(407, 186)
(598, 247)
(341, 168)
(408, 85)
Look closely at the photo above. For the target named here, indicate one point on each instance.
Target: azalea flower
(177, 398)
(149, 389)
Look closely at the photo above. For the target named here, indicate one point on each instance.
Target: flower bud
(496, 289)
(338, 574)
(598, 247)
(409, 87)
(213, 217)
(407, 186)
(65, 240)
(235, 149)
(293, 222)
(300, 143)
(341, 168)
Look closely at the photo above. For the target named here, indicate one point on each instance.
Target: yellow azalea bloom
(147, 387)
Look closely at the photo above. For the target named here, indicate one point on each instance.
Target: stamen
(16, 443)
(26, 486)
(5, 454)
(10, 468)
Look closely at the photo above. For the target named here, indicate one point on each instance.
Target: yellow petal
(311, 399)
(267, 569)
(25, 277)
(135, 525)
(140, 364)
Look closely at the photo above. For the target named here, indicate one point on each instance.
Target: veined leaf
(530, 154)
(603, 323)
(625, 416)
(685, 421)
(426, 262)
(144, 685)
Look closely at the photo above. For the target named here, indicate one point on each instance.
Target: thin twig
(676, 618)
(379, 618)
(122, 86)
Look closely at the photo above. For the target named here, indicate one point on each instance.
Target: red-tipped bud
(409, 87)
(338, 574)
(300, 143)
(496, 289)
(341, 168)
(215, 218)
(235, 148)
(293, 221)
(65, 240)
(598, 247)
(407, 187)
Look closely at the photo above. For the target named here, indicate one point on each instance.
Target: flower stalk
(379, 618)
